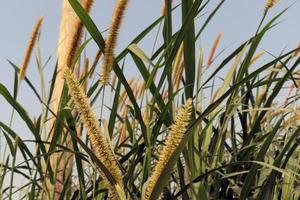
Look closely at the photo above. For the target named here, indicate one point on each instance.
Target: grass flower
(112, 40)
(70, 34)
(69, 39)
(174, 138)
(213, 50)
(31, 44)
(269, 4)
(98, 142)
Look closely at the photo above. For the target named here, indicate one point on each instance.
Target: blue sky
(237, 20)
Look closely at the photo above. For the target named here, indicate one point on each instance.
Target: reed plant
(186, 126)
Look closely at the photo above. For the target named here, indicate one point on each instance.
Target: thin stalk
(13, 167)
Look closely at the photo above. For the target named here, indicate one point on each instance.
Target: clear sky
(237, 20)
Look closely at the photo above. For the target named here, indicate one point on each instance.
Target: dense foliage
(176, 130)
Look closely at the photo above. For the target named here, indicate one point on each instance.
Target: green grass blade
(189, 49)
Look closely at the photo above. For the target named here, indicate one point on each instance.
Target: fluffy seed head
(269, 4)
(28, 52)
(112, 40)
(70, 33)
(174, 138)
(213, 50)
(98, 141)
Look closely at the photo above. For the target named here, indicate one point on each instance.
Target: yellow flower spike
(212, 53)
(177, 131)
(269, 4)
(31, 44)
(112, 40)
(98, 141)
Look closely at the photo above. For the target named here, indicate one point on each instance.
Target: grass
(175, 131)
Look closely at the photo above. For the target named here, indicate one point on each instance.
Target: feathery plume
(269, 4)
(31, 44)
(71, 29)
(98, 141)
(112, 40)
(70, 33)
(87, 5)
(174, 138)
(213, 50)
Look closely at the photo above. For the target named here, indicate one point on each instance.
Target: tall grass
(174, 131)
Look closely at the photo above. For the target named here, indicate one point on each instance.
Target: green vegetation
(175, 131)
